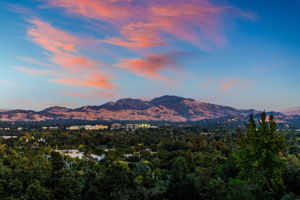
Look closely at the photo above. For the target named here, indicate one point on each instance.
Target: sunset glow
(79, 52)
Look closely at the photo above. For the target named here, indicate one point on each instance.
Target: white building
(74, 127)
(8, 137)
(97, 158)
(53, 127)
(73, 153)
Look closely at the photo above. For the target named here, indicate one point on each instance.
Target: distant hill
(164, 108)
(292, 111)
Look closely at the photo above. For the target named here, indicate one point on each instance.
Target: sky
(238, 53)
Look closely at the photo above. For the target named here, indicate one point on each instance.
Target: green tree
(259, 157)
(37, 192)
(57, 161)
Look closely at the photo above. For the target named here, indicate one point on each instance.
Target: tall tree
(260, 157)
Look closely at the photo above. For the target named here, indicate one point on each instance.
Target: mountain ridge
(165, 108)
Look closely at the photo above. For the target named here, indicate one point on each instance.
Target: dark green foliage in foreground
(260, 158)
(182, 164)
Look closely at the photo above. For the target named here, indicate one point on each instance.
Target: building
(96, 127)
(88, 127)
(42, 140)
(116, 126)
(73, 153)
(8, 137)
(97, 158)
(131, 127)
(74, 127)
(53, 127)
(144, 125)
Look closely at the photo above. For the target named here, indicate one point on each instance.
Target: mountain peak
(127, 103)
(167, 99)
(56, 109)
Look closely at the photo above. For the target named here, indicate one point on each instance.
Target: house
(131, 127)
(96, 127)
(8, 137)
(128, 155)
(73, 153)
(97, 158)
(42, 140)
(74, 127)
(53, 127)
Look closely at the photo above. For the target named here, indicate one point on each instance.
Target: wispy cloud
(152, 65)
(139, 25)
(228, 85)
(93, 80)
(9, 83)
(272, 64)
(34, 71)
(233, 84)
(76, 69)
(149, 23)
(18, 8)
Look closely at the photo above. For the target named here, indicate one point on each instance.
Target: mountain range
(164, 108)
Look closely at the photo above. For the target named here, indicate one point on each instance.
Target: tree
(260, 159)
(37, 192)
(57, 161)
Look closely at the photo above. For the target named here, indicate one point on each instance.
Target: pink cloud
(104, 9)
(35, 61)
(227, 85)
(33, 71)
(76, 69)
(140, 24)
(91, 80)
(143, 24)
(50, 38)
(150, 66)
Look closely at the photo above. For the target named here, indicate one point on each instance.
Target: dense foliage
(151, 164)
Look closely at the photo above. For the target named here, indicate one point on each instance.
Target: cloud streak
(75, 69)
(34, 71)
(140, 25)
(143, 24)
(152, 65)
(227, 85)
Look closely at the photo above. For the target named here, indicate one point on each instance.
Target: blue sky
(239, 53)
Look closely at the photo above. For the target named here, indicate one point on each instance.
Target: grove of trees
(257, 162)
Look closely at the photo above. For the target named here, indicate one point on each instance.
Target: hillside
(164, 108)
